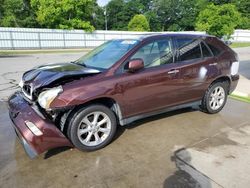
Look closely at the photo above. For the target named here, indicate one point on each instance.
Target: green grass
(240, 98)
(240, 44)
(20, 52)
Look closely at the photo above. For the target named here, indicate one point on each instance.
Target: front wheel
(92, 127)
(215, 98)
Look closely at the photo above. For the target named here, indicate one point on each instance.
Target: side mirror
(135, 65)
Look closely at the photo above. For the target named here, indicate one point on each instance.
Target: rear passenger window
(188, 49)
(214, 49)
(205, 51)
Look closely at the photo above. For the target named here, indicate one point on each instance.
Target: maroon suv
(81, 103)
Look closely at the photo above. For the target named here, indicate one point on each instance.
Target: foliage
(64, 14)
(154, 21)
(178, 14)
(162, 15)
(16, 13)
(219, 2)
(138, 23)
(115, 15)
(243, 7)
(240, 44)
(98, 17)
(119, 13)
(218, 20)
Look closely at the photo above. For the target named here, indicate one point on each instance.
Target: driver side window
(155, 53)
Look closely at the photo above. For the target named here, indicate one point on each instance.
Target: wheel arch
(106, 101)
(223, 79)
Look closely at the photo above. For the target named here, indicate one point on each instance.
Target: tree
(220, 2)
(119, 13)
(177, 15)
(17, 13)
(64, 14)
(98, 20)
(115, 12)
(243, 7)
(218, 20)
(153, 20)
(138, 23)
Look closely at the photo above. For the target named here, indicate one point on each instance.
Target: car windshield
(106, 55)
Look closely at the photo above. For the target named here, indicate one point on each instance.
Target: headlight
(46, 97)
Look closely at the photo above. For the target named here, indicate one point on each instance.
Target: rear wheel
(215, 97)
(92, 127)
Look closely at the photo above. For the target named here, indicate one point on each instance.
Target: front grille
(27, 91)
(27, 88)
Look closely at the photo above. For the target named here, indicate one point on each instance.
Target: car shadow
(121, 129)
(160, 116)
(55, 151)
(186, 176)
(140, 122)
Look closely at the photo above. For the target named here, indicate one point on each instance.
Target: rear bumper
(22, 112)
(234, 82)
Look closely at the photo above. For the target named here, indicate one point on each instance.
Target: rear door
(195, 63)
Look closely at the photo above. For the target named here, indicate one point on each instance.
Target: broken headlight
(46, 97)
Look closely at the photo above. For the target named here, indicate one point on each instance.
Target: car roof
(174, 34)
(166, 34)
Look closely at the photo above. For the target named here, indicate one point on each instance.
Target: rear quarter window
(216, 46)
(205, 50)
(216, 51)
(188, 48)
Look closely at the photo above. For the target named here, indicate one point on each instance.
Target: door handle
(213, 64)
(173, 71)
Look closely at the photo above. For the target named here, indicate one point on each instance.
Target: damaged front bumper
(36, 133)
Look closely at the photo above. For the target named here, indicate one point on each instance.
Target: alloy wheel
(94, 128)
(217, 98)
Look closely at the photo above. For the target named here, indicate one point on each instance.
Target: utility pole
(106, 20)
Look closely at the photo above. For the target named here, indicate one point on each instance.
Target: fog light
(33, 128)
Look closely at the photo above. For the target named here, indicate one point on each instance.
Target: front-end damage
(39, 127)
(36, 132)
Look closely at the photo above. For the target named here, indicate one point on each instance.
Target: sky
(102, 2)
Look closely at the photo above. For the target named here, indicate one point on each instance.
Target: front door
(153, 87)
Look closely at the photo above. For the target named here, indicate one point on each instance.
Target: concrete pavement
(243, 87)
(223, 158)
(142, 155)
(12, 67)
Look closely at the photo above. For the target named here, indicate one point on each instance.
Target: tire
(85, 127)
(215, 97)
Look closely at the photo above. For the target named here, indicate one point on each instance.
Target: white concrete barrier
(31, 38)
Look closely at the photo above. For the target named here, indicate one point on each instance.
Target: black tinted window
(188, 49)
(205, 51)
(214, 49)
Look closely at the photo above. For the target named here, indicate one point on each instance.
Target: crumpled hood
(44, 75)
